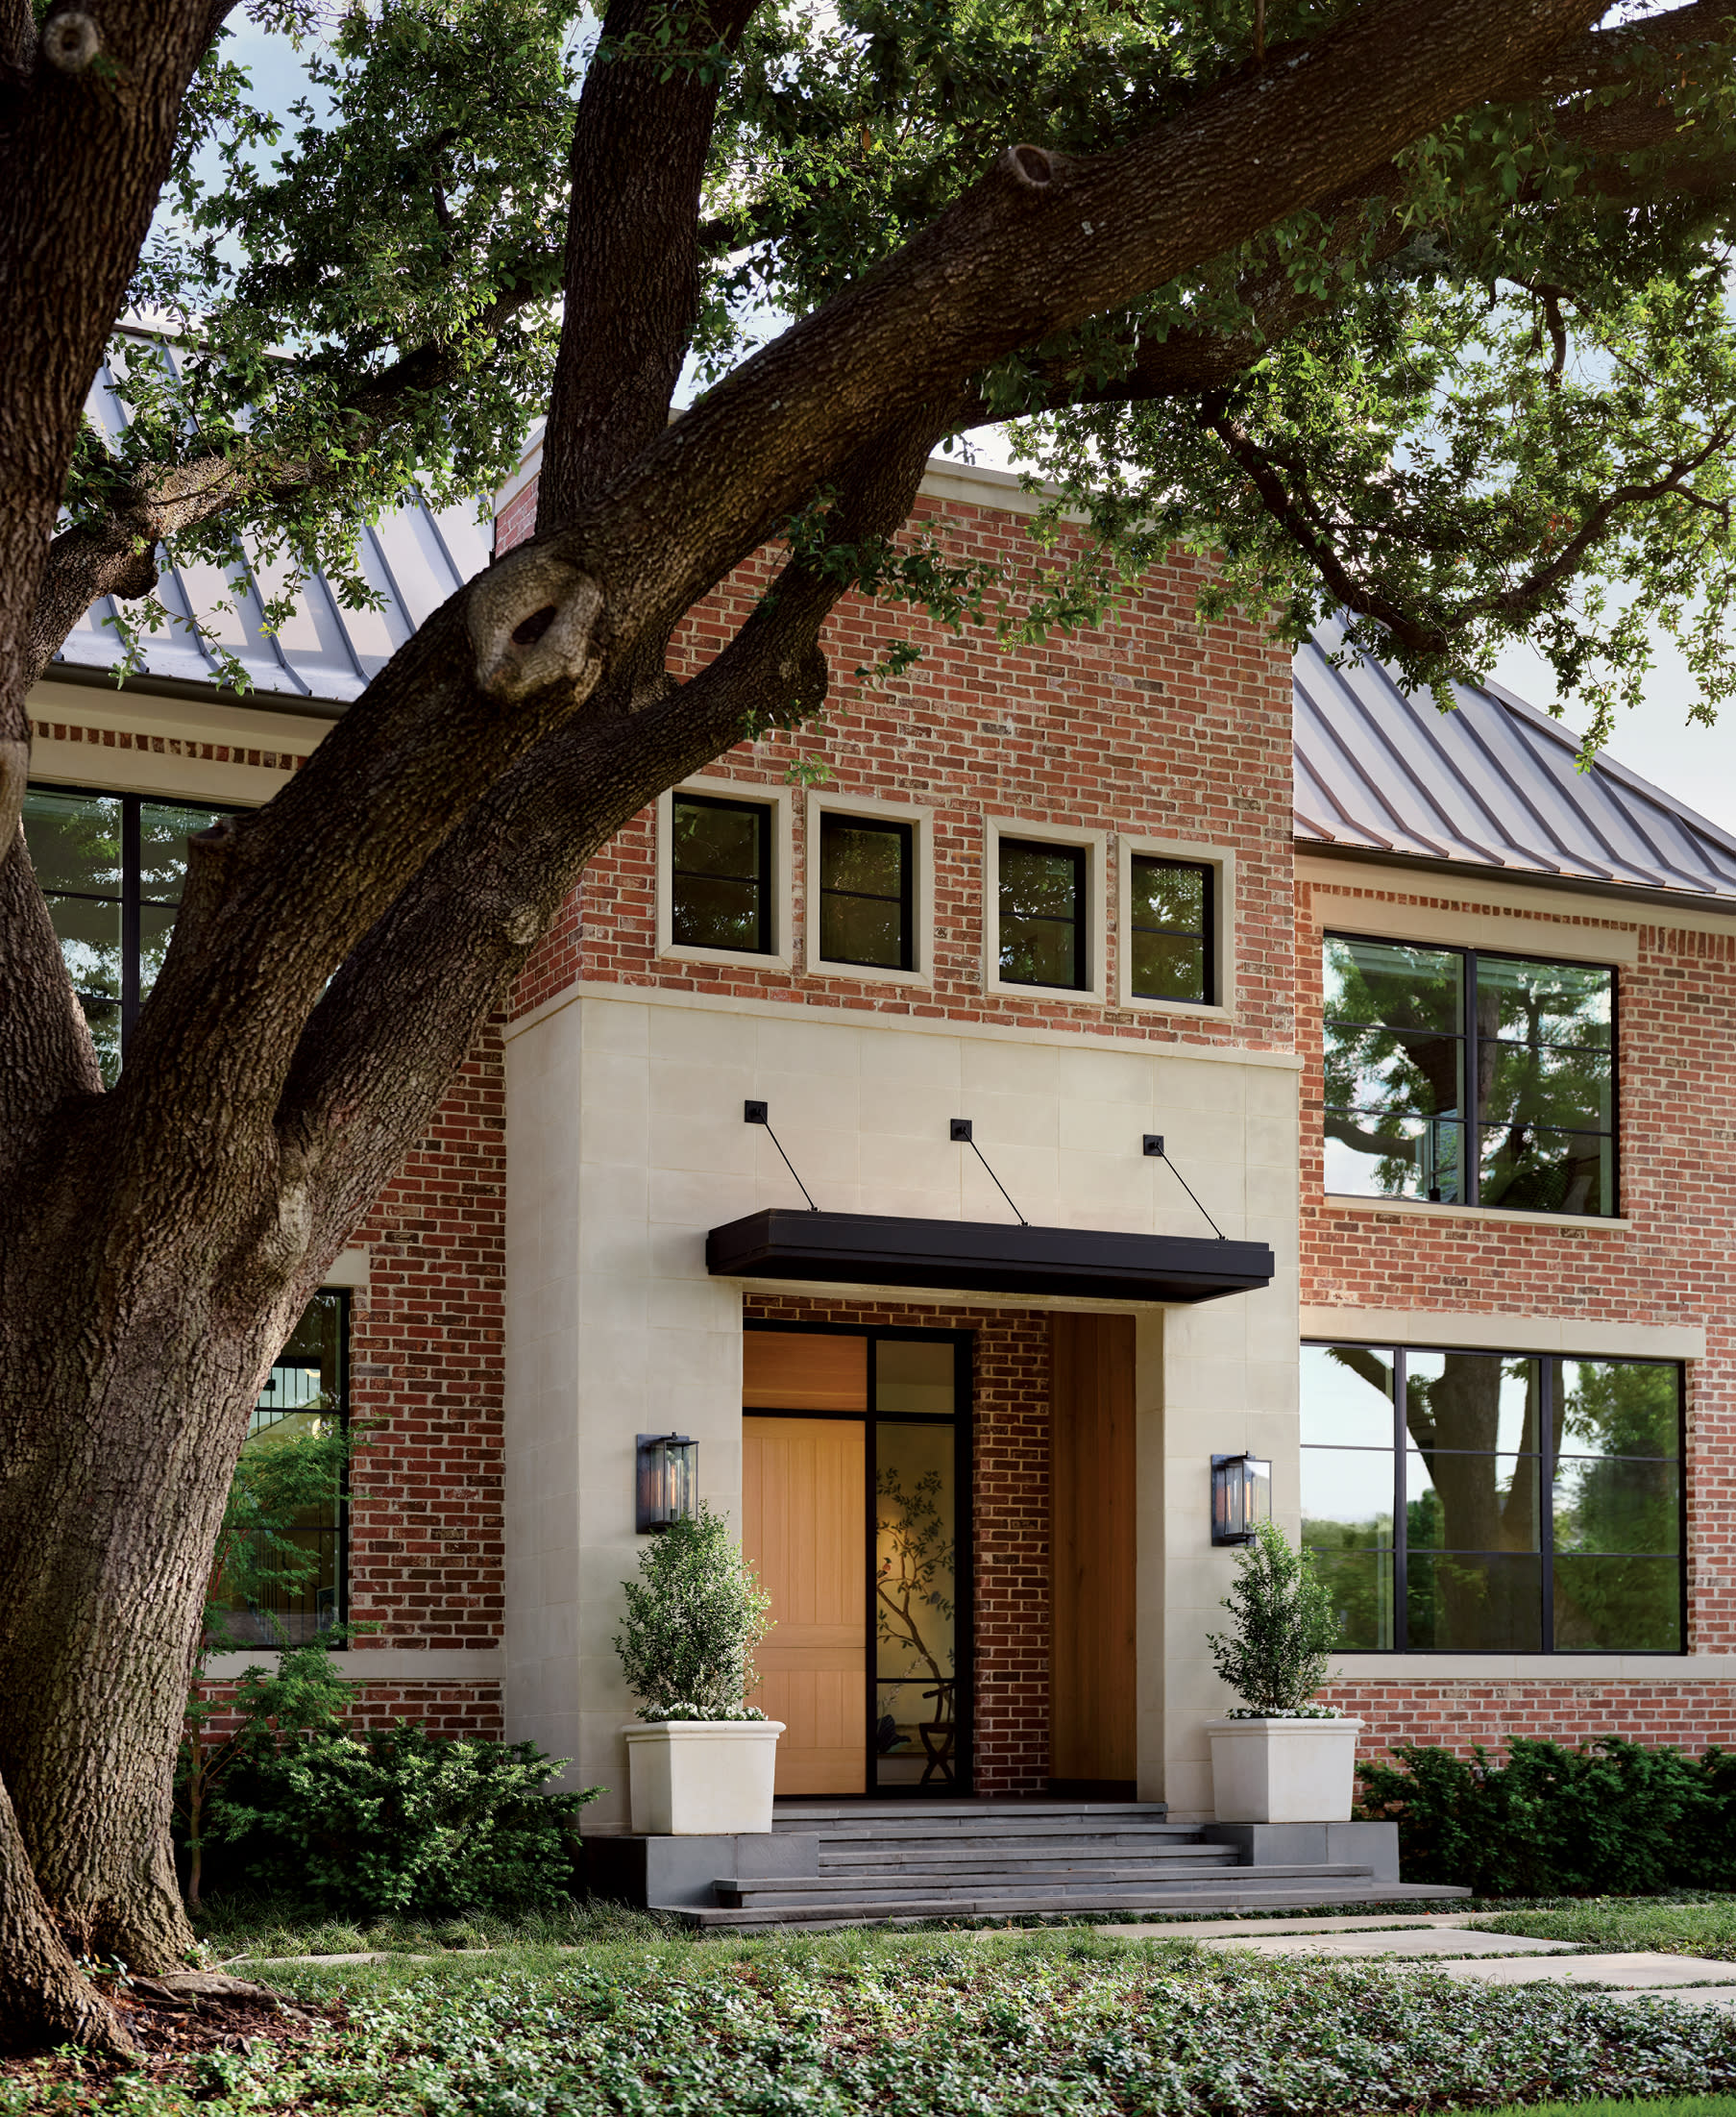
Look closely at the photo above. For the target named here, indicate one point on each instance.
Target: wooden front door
(1093, 1724)
(804, 1501)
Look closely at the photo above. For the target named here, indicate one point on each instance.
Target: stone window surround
(1095, 845)
(822, 803)
(777, 799)
(1221, 939)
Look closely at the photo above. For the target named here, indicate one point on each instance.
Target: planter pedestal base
(1371, 1845)
(676, 1874)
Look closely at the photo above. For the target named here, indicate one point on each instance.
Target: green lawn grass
(1065, 2024)
(1622, 1922)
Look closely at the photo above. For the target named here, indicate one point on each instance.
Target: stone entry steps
(875, 1863)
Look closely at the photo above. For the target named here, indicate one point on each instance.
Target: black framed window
(1043, 914)
(1465, 1077)
(868, 892)
(1482, 1502)
(1169, 930)
(112, 867)
(720, 875)
(306, 1391)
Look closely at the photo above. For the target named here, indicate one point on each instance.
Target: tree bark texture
(157, 1243)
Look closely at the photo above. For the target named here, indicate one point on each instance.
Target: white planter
(701, 1778)
(1282, 1771)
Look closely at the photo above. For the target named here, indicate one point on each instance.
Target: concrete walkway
(1457, 1946)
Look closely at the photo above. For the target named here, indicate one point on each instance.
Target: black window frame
(133, 899)
(905, 832)
(1081, 858)
(1206, 934)
(1548, 1457)
(339, 1531)
(763, 814)
(1471, 1120)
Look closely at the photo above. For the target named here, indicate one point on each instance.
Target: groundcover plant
(912, 2027)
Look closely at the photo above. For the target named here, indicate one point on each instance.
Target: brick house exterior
(529, 1293)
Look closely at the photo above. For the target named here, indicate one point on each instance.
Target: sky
(1696, 765)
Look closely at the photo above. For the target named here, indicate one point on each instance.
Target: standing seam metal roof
(1494, 784)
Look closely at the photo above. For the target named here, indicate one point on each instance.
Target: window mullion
(1546, 1496)
(1471, 1147)
(1400, 1526)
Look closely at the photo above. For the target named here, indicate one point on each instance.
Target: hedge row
(1610, 1819)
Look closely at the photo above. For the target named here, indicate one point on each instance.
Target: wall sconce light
(1241, 1497)
(668, 1481)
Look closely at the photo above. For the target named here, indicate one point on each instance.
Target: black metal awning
(984, 1257)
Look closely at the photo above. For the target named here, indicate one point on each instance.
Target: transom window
(1043, 914)
(1170, 930)
(112, 867)
(1468, 1078)
(720, 875)
(1474, 1502)
(866, 892)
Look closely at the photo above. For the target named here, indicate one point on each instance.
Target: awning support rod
(1154, 1144)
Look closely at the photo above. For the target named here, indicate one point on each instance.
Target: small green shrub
(694, 1615)
(1279, 1652)
(396, 1820)
(1612, 1818)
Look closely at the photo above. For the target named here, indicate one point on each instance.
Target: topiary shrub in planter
(396, 1820)
(1279, 1756)
(1613, 1818)
(702, 1761)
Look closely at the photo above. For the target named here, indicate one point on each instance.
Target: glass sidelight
(915, 1565)
(897, 1405)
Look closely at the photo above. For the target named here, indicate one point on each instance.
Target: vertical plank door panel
(1093, 1738)
(804, 1505)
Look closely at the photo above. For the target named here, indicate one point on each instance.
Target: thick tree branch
(464, 927)
(640, 148)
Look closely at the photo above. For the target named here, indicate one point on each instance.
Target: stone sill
(387, 1664)
(1338, 1201)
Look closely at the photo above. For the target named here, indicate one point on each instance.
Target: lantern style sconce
(668, 1481)
(1241, 1497)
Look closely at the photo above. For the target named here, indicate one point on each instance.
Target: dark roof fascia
(984, 1257)
(87, 677)
(1468, 872)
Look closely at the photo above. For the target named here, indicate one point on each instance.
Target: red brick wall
(453, 1709)
(1149, 724)
(1010, 1499)
(517, 520)
(427, 1373)
(1456, 1714)
(1673, 1266)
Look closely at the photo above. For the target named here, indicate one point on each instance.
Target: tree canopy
(1487, 391)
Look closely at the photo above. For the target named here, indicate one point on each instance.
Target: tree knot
(533, 620)
(70, 41)
(1031, 168)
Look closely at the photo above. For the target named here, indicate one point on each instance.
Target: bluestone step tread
(865, 1891)
(819, 1914)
